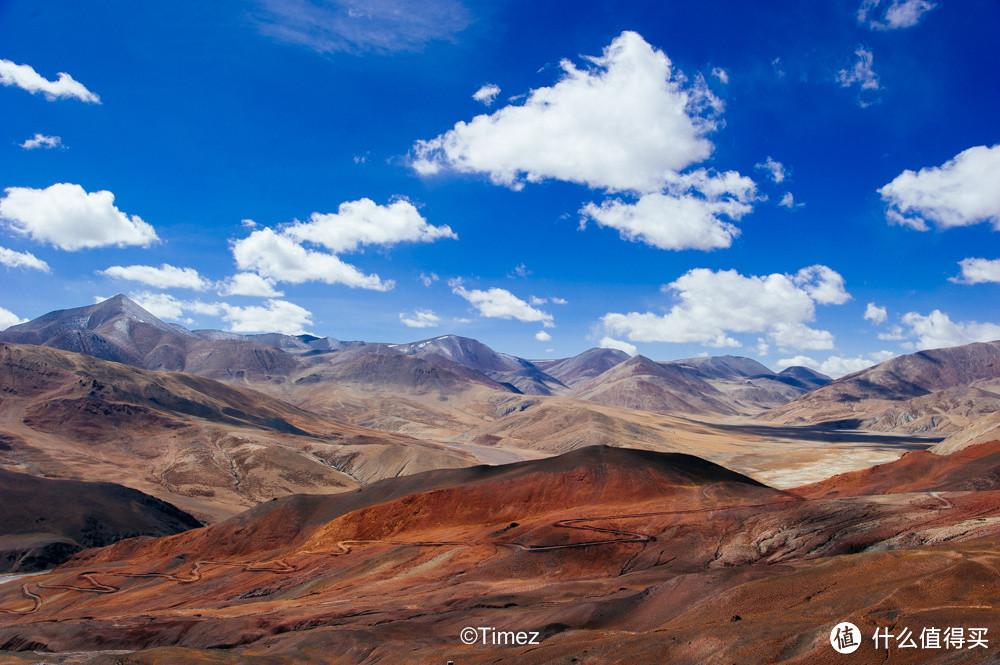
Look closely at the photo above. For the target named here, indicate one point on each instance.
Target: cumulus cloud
(281, 255)
(26, 78)
(558, 301)
(160, 305)
(248, 284)
(12, 259)
(862, 73)
(797, 335)
(612, 343)
(274, 316)
(164, 277)
(895, 334)
(280, 258)
(421, 318)
(837, 366)
(963, 191)
(712, 305)
(42, 141)
(535, 301)
(356, 26)
(976, 271)
(774, 169)
(64, 215)
(823, 284)
(499, 303)
(428, 279)
(487, 94)
(721, 74)
(9, 318)
(899, 14)
(687, 215)
(788, 201)
(877, 315)
(364, 222)
(623, 123)
(543, 336)
(937, 330)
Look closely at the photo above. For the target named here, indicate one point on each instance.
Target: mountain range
(119, 330)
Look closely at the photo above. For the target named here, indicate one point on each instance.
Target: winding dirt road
(281, 567)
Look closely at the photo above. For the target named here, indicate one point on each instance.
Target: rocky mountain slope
(210, 448)
(44, 521)
(940, 390)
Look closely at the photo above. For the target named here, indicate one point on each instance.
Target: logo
(845, 637)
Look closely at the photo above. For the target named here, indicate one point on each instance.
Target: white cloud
(248, 284)
(715, 304)
(357, 26)
(877, 315)
(837, 366)
(9, 318)
(487, 94)
(937, 330)
(501, 304)
(963, 191)
(861, 73)
(899, 14)
(612, 343)
(519, 270)
(721, 74)
(895, 334)
(281, 256)
(277, 316)
(67, 217)
(42, 141)
(797, 335)
(12, 259)
(978, 271)
(160, 305)
(788, 201)
(364, 222)
(823, 284)
(559, 301)
(164, 277)
(774, 169)
(429, 279)
(763, 348)
(543, 336)
(687, 216)
(535, 301)
(421, 318)
(623, 123)
(26, 78)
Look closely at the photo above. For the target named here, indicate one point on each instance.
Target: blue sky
(807, 182)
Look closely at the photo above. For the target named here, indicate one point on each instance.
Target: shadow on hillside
(829, 435)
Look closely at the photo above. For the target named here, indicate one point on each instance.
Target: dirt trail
(278, 567)
(281, 567)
